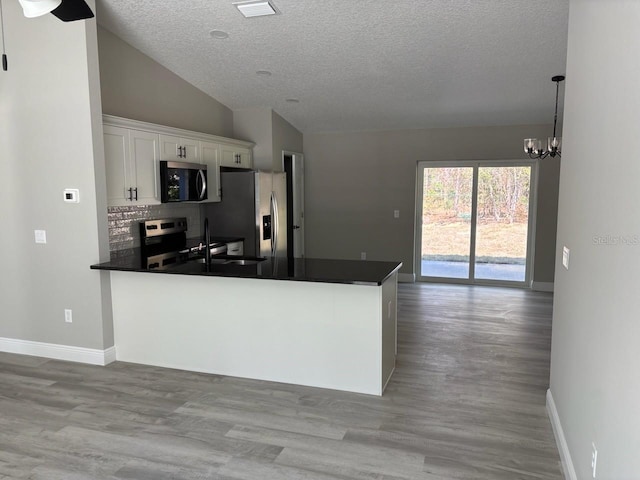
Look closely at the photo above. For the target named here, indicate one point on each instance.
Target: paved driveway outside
(486, 271)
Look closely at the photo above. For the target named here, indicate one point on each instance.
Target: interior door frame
(297, 160)
(531, 228)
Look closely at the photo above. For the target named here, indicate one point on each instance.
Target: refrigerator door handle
(276, 222)
(274, 225)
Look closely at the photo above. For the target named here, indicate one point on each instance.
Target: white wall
(51, 138)
(595, 358)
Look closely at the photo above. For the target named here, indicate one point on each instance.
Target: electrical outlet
(68, 315)
(396, 214)
(41, 236)
(594, 458)
(363, 255)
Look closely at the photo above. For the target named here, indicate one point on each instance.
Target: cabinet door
(118, 164)
(211, 158)
(145, 165)
(170, 148)
(235, 157)
(244, 157)
(228, 156)
(180, 149)
(190, 150)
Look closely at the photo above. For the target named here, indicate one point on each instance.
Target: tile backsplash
(123, 222)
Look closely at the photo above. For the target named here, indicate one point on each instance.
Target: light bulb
(529, 145)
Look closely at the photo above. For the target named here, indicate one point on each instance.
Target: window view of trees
(502, 218)
(503, 194)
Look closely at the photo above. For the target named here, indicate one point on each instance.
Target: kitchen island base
(328, 335)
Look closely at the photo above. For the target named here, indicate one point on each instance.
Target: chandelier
(533, 146)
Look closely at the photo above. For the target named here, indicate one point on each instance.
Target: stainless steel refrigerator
(254, 207)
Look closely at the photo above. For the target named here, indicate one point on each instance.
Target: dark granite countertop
(194, 241)
(358, 272)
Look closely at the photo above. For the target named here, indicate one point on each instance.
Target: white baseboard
(58, 352)
(561, 441)
(542, 286)
(406, 277)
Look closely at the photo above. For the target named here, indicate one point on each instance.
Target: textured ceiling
(362, 64)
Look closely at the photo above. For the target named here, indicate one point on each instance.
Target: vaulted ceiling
(361, 64)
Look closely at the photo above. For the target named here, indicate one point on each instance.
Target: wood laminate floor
(467, 401)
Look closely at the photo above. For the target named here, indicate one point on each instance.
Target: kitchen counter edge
(361, 272)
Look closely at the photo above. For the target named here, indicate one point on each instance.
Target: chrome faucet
(207, 243)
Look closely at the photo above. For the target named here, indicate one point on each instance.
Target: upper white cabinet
(210, 153)
(133, 151)
(179, 149)
(235, 156)
(132, 166)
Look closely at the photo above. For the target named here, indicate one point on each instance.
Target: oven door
(182, 182)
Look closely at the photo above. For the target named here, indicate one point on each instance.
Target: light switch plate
(565, 257)
(41, 236)
(396, 214)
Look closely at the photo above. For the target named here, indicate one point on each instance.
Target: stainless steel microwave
(182, 182)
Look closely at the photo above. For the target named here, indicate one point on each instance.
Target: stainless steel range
(163, 243)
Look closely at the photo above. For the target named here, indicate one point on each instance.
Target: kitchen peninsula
(315, 322)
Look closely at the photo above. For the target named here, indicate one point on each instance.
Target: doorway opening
(475, 222)
(293, 165)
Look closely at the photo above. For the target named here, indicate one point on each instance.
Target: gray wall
(271, 134)
(51, 137)
(354, 182)
(285, 137)
(595, 356)
(254, 125)
(135, 86)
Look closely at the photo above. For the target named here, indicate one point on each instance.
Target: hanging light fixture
(533, 146)
(37, 8)
(65, 10)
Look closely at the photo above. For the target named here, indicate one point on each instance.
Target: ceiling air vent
(254, 8)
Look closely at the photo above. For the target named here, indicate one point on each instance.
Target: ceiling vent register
(256, 8)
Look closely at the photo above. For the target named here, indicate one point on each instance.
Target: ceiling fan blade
(71, 10)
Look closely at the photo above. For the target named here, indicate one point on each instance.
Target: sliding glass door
(474, 222)
(446, 226)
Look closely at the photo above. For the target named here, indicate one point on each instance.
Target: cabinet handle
(136, 190)
(130, 194)
(180, 154)
(184, 152)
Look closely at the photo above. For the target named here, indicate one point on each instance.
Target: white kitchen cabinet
(235, 248)
(235, 156)
(179, 148)
(134, 149)
(210, 156)
(131, 158)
